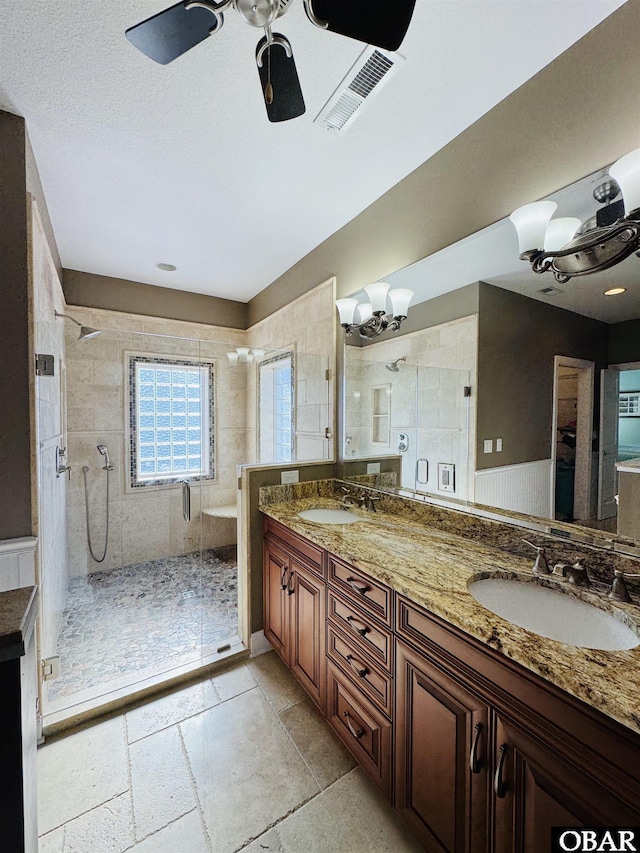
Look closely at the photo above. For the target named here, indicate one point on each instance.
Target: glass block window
(171, 420)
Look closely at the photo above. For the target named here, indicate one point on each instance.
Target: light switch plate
(446, 476)
(498, 445)
(288, 477)
(488, 445)
(373, 467)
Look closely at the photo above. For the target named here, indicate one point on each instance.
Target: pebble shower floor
(145, 619)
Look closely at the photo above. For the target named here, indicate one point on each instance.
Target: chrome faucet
(541, 566)
(575, 574)
(619, 591)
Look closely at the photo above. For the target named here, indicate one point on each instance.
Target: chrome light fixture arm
(590, 253)
(374, 326)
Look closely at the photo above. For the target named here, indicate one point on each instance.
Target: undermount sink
(330, 516)
(556, 615)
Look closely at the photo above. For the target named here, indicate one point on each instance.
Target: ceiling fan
(167, 35)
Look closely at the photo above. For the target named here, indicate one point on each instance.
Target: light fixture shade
(400, 299)
(258, 353)
(559, 232)
(531, 222)
(364, 312)
(233, 358)
(377, 293)
(626, 171)
(243, 354)
(346, 310)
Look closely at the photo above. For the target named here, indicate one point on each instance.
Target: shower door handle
(186, 500)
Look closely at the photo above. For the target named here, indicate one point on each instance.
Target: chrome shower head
(393, 365)
(86, 332)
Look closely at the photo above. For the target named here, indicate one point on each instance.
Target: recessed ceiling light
(166, 267)
(614, 291)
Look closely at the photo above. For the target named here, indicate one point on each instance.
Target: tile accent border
(17, 563)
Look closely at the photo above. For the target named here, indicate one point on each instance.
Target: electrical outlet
(488, 445)
(373, 467)
(446, 476)
(288, 477)
(498, 445)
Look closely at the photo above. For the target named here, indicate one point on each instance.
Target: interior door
(608, 451)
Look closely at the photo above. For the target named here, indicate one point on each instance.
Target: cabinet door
(441, 756)
(307, 630)
(276, 600)
(536, 789)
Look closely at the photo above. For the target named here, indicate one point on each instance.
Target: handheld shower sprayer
(102, 449)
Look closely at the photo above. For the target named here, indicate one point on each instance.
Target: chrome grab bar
(186, 500)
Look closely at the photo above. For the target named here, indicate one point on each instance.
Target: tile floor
(241, 761)
(168, 612)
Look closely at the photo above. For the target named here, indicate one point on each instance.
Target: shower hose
(85, 470)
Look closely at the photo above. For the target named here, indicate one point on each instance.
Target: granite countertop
(433, 568)
(17, 618)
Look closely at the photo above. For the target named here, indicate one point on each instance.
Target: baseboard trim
(259, 644)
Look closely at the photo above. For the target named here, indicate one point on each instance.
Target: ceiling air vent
(368, 74)
(548, 291)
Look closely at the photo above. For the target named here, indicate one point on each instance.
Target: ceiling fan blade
(167, 35)
(279, 79)
(377, 22)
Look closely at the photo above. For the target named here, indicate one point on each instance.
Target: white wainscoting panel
(17, 563)
(522, 488)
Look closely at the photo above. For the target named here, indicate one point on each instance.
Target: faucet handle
(541, 566)
(619, 591)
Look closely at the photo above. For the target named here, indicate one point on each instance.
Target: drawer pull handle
(284, 581)
(357, 667)
(362, 631)
(357, 733)
(475, 763)
(499, 787)
(290, 587)
(363, 590)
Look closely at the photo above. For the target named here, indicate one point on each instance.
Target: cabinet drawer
(371, 638)
(290, 541)
(361, 727)
(371, 680)
(367, 593)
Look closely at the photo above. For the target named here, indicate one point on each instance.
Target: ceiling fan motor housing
(258, 13)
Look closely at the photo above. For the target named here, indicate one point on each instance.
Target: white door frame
(586, 384)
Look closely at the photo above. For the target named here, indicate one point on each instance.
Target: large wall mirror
(507, 388)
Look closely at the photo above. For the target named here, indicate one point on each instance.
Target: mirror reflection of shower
(393, 365)
(108, 468)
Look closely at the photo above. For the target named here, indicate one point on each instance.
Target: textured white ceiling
(142, 163)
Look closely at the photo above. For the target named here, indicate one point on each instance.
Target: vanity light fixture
(245, 355)
(600, 243)
(370, 318)
(615, 291)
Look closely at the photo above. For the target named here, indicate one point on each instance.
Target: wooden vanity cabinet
(294, 598)
(478, 754)
(544, 758)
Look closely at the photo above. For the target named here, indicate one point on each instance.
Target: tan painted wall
(133, 297)
(576, 115)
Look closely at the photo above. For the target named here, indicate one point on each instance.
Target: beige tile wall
(306, 326)
(50, 508)
(144, 524)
